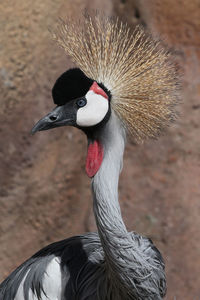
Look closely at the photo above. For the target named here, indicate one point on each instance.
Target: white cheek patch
(94, 111)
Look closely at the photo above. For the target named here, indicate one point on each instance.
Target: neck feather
(132, 265)
(105, 182)
(112, 231)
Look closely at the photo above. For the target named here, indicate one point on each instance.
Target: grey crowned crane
(124, 82)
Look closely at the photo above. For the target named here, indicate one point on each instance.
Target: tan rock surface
(44, 192)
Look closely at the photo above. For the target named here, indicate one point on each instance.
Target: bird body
(113, 264)
(71, 269)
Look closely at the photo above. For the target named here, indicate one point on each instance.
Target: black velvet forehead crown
(70, 85)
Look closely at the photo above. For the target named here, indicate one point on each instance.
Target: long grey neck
(131, 264)
(112, 231)
(105, 182)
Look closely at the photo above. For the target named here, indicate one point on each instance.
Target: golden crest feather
(133, 66)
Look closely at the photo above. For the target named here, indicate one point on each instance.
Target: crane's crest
(134, 67)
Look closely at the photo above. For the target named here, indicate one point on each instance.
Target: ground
(44, 192)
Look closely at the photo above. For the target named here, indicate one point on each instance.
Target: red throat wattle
(94, 158)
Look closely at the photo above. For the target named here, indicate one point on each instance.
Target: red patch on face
(98, 90)
(94, 158)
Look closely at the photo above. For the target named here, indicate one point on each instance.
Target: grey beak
(60, 116)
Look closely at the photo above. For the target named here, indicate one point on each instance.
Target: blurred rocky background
(44, 192)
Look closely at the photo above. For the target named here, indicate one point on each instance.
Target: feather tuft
(133, 66)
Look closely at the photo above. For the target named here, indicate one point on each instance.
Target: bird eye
(81, 102)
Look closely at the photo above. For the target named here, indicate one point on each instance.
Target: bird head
(119, 70)
(81, 102)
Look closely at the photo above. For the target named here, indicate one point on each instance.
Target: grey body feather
(83, 268)
(111, 265)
